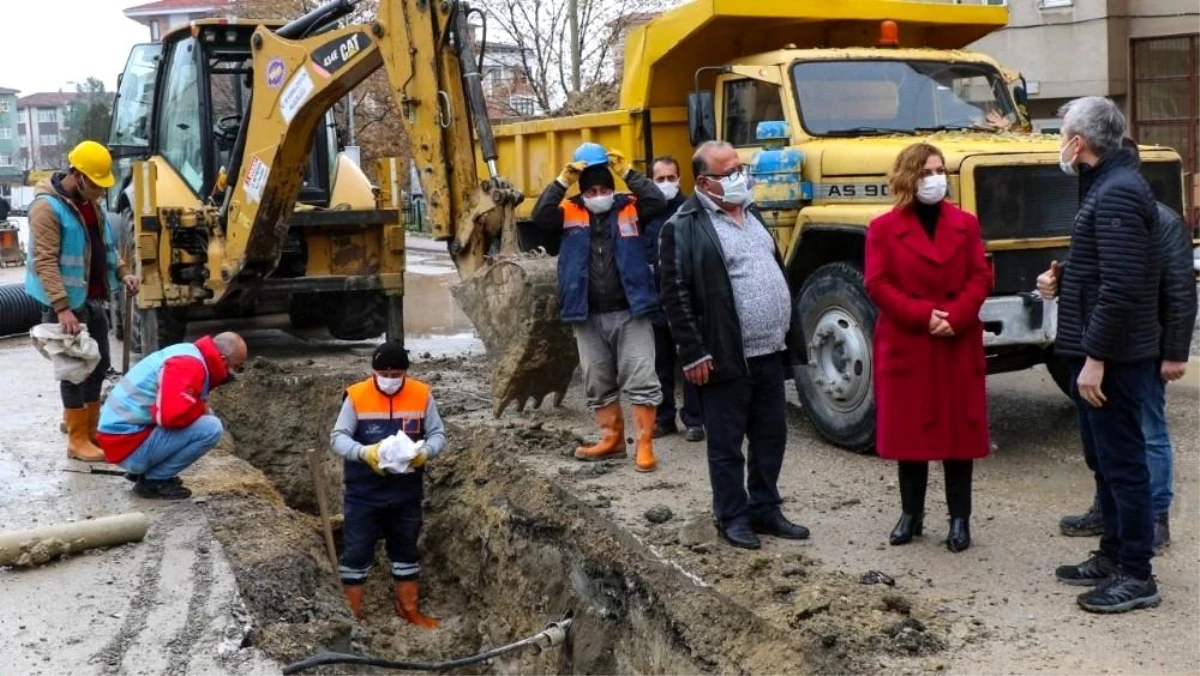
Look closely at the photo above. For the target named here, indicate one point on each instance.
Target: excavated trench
(504, 551)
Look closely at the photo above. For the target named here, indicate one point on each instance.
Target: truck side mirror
(702, 121)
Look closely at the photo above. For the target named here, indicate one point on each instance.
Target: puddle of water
(429, 309)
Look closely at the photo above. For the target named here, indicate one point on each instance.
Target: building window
(5, 133)
(4, 106)
(1166, 102)
(24, 141)
(524, 106)
(748, 102)
(155, 31)
(5, 161)
(47, 115)
(48, 140)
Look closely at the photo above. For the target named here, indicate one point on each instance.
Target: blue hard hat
(591, 153)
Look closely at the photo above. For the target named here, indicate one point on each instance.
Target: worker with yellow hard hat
(72, 268)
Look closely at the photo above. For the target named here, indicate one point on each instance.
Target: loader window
(179, 130)
(748, 102)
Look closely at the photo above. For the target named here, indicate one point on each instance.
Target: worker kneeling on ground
(156, 421)
(73, 267)
(387, 428)
(606, 292)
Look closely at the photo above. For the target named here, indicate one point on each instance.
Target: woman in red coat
(927, 274)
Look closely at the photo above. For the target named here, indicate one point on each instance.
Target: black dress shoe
(663, 428)
(908, 526)
(777, 524)
(960, 534)
(694, 434)
(740, 534)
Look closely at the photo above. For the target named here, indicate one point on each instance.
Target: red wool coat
(930, 392)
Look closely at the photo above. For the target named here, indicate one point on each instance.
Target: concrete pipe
(33, 547)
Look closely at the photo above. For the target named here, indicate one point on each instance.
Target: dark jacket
(602, 265)
(1177, 290)
(651, 236)
(4, 209)
(697, 296)
(1108, 303)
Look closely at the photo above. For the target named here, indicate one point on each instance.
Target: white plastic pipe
(33, 547)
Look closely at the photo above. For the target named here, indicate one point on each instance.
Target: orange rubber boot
(354, 596)
(643, 418)
(93, 411)
(79, 446)
(612, 435)
(408, 607)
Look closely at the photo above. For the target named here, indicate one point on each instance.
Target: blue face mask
(1068, 166)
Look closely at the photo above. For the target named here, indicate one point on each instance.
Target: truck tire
(1060, 371)
(357, 316)
(835, 386)
(156, 328)
(306, 311)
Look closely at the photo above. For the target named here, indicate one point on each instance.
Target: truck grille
(1018, 202)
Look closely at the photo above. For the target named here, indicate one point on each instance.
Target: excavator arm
(300, 71)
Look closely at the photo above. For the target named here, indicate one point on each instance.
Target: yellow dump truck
(819, 97)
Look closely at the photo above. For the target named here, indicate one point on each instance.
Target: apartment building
(1144, 54)
(10, 173)
(166, 15)
(42, 130)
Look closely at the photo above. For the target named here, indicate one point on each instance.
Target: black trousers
(1114, 447)
(914, 477)
(752, 408)
(664, 366)
(92, 315)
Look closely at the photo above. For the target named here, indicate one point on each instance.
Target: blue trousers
(167, 452)
(398, 521)
(1114, 447)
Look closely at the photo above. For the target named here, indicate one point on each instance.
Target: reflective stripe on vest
(73, 251)
(127, 409)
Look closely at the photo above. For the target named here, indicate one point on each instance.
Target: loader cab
(129, 133)
(183, 101)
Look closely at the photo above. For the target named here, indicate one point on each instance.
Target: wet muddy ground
(518, 533)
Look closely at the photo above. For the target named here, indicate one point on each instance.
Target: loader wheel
(157, 328)
(306, 311)
(357, 316)
(835, 385)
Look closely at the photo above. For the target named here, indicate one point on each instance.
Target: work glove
(570, 173)
(617, 163)
(370, 455)
(422, 455)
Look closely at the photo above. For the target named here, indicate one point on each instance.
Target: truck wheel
(835, 386)
(1060, 371)
(357, 316)
(306, 311)
(157, 328)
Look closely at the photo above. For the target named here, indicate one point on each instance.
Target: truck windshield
(131, 117)
(844, 98)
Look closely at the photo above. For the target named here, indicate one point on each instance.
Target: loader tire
(357, 316)
(306, 311)
(835, 385)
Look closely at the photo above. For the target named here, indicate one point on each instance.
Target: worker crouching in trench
(379, 499)
(606, 292)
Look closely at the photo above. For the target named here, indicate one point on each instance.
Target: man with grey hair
(726, 297)
(1108, 330)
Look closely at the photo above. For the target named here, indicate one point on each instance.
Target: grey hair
(700, 157)
(1097, 119)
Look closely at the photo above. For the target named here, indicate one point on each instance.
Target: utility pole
(576, 47)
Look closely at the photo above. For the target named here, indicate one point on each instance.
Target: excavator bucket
(513, 304)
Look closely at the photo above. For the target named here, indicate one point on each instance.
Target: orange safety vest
(380, 416)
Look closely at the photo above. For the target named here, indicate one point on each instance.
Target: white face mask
(601, 204)
(931, 189)
(389, 385)
(736, 188)
(669, 189)
(1068, 166)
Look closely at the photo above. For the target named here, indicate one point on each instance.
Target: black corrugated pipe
(18, 311)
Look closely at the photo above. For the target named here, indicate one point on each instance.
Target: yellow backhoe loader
(234, 195)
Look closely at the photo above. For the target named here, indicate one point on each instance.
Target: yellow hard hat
(93, 161)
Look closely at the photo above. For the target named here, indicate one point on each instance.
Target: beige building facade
(1144, 54)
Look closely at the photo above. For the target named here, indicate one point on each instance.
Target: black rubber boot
(960, 534)
(908, 526)
(1088, 524)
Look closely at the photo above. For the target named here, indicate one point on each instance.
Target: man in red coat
(927, 273)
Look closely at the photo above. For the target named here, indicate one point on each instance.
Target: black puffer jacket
(1177, 297)
(1108, 303)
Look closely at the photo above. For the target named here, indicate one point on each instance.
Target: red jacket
(930, 392)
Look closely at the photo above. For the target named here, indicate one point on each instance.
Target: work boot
(740, 534)
(79, 445)
(643, 418)
(354, 596)
(408, 607)
(612, 435)
(1121, 593)
(1097, 569)
(1162, 532)
(93, 411)
(664, 427)
(778, 525)
(161, 489)
(1088, 524)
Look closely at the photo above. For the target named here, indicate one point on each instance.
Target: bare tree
(543, 30)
